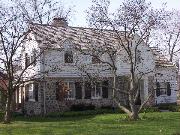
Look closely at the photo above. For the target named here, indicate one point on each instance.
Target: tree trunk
(7, 115)
(134, 115)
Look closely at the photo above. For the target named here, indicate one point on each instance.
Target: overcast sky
(79, 18)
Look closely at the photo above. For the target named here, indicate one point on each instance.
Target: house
(58, 78)
(3, 88)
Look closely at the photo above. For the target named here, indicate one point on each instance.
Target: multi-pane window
(96, 90)
(65, 90)
(27, 60)
(70, 90)
(31, 58)
(34, 57)
(32, 91)
(68, 57)
(163, 88)
(95, 60)
(138, 57)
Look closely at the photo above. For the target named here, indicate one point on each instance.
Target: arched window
(68, 57)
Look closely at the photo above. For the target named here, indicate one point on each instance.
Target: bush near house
(1, 116)
(170, 107)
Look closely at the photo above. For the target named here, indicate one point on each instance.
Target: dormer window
(68, 57)
(96, 60)
(27, 60)
(138, 57)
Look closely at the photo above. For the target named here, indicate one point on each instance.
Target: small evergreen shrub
(82, 107)
(1, 116)
(170, 107)
(149, 109)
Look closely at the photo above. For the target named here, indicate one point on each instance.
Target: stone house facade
(58, 79)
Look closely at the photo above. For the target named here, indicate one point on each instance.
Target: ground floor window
(65, 90)
(70, 90)
(96, 90)
(163, 88)
(31, 91)
(81, 90)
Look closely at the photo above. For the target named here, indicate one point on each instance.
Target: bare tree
(14, 31)
(167, 34)
(43, 11)
(131, 27)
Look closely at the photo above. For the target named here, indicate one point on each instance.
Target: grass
(103, 124)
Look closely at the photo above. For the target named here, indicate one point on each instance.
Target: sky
(79, 16)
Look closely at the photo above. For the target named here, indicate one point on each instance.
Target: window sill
(96, 97)
(69, 98)
(32, 100)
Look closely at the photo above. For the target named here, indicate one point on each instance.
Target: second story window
(95, 60)
(138, 57)
(27, 60)
(68, 57)
(34, 57)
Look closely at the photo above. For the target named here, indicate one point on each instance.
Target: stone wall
(32, 108)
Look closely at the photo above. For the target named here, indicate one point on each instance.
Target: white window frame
(73, 91)
(95, 96)
(163, 88)
(31, 89)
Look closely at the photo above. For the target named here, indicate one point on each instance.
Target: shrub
(1, 116)
(170, 107)
(82, 107)
(174, 108)
(149, 109)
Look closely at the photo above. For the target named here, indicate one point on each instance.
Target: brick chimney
(59, 22)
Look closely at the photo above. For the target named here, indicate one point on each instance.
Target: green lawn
(104, 124)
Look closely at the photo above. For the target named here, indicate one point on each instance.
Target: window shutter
(57, 90)
(168, 89)
(78, 90)
(157, 89)
(26, 92)
(26, 59)
(87, 90)
(105, 89)
(36, 91)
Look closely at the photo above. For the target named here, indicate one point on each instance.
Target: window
(96, 90)
(27, 60)
(32, 92)
(65, 90)
(33, 57)
(68, 57)
(163, 88)
(95, 60)
(70, 90)
(138, 57)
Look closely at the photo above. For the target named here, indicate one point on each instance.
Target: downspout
(44, 86)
